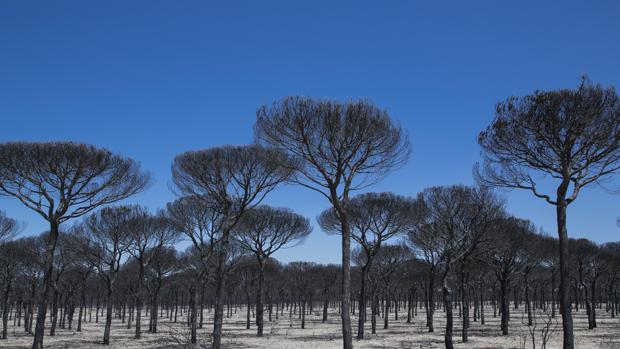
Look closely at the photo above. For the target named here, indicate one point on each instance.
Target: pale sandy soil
(280, 334)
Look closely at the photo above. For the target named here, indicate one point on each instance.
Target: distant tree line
(413, 270)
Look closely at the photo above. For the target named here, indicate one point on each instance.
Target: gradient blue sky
(151, 79)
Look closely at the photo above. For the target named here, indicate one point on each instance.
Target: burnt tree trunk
(447, 298)
(5, 308)
(565, 308)
(362, 303)
(108, 318)
(47, 284)
(259, 301)
(504, 306)
(219, 290)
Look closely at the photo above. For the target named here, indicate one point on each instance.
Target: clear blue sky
(151, 79)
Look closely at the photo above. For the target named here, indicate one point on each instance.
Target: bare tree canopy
(194, 218)
(354, 144)
(9, 227)
(149, 233)
(264, 230)
(453, 220)
(374, 218)
(64, 180)
(108, 230)
(231, 178)
(570, 135)
(338, 148)
(510, 241)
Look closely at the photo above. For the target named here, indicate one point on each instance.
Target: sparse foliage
(569, 135)
(338, 148)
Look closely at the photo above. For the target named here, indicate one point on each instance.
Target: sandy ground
(284, 333)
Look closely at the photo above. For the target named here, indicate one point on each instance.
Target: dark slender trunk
(464, 306)
(154, 311)
(193, 311)
(431, 302)
(504, 306)
(27, 315)
(576, 296)
(108, 318)
(517, 301)
(475, 304)
(409, 305)
(28, 322)
(373, 312)
(325, 306)
(5, 308)
(54, 314)
(138, 332)
(465, 309)
(386, 310)
(259, 301)
(347, 337)
(218, 315)
(303, 313)
(494, 299)
(130, 317)
(97, 310)
(247, 309)
(553, 294)
(528, 305)
(396, 300)
(39, 330)
(481, 304)
(447, 298)
(588, 306)
(362, 303)
(565, 308)
(202, 304)
(82, 305)
(70, 312)
(176, 305)
(593, 301)
(21, 307)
